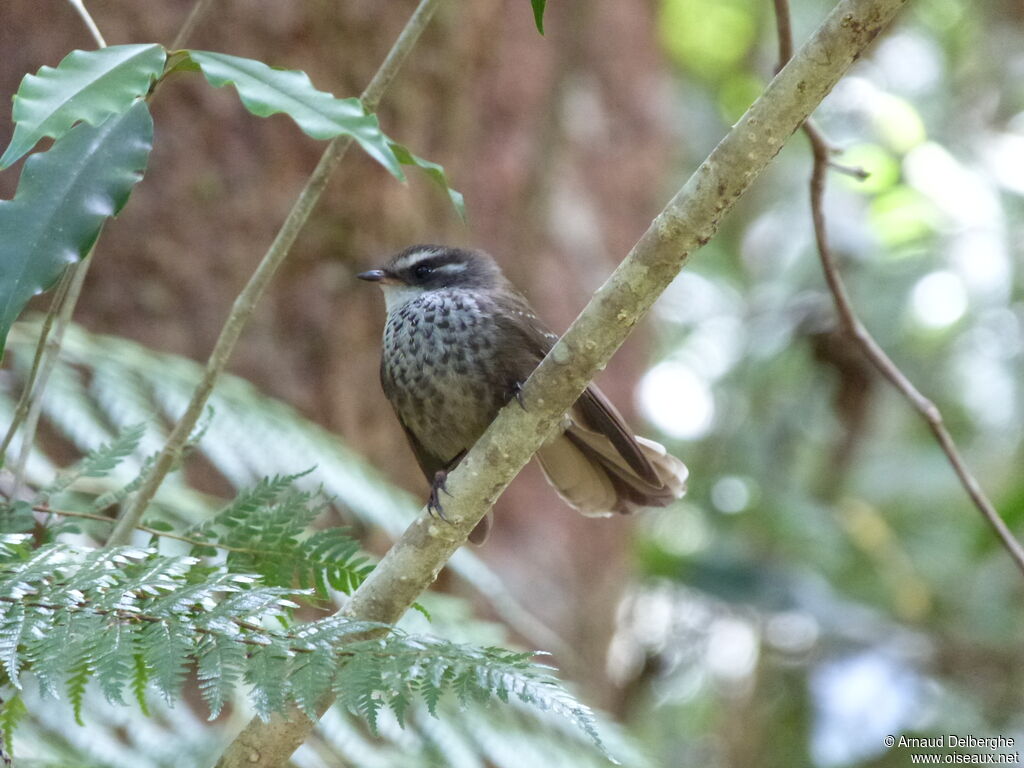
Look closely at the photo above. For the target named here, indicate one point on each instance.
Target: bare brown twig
(851, 325)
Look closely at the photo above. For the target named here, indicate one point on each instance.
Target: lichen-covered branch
(688, 221)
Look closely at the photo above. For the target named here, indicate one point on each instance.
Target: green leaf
(86, 85)
(63, 199)
(435, 172)
(220, 664)
(158, 525)
(267, 91)
(140, 677)
(11, 714)
(82, 671)
(538, 14)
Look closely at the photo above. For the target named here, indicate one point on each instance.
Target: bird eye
(423, 271)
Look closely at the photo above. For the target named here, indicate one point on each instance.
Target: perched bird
(459, 343)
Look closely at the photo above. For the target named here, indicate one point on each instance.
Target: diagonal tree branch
(246, 301)
(851, 324)
(689, 220)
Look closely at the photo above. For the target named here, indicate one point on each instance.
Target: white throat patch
(397, 295)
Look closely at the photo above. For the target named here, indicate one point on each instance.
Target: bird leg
(516, 391)
(438, 484)
(434, 500)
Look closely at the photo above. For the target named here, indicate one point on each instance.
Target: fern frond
(117, 495)
(268, 672)
(220, 666)
(311, 678)
(114, 658)
(125, 615)
(434, 667)
(168, 653)
(99, 462)
(360, 684)
(81, 671)
(265, 532)
(262, 495)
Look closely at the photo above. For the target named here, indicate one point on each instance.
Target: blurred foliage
(827, 581)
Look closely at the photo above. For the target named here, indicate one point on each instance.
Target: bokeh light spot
(677, 401)
(938, 300)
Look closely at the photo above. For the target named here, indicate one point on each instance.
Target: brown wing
(524, 340)
(600, 415)
(593, 409)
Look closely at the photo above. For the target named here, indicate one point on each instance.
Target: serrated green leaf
(140, 677)
(436, 174)
(86, 86)
(64, 197)
(267, 91)
(11, 714)
(79, 679)
(220, 663)
(538, 14)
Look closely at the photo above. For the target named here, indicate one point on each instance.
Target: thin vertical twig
(21, 409)
(79, 5)
(851, 325)
(192, 20)
(246, 301)
(49, 362)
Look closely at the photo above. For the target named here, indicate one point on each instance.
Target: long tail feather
(592, 476)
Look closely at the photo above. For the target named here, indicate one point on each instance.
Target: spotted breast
(440, 371)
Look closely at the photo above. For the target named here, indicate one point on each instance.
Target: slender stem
(163, 534)
(246, 301)
(194, 17)
(784, 25)
(851, 324)
(49, 362)
(21, 409)
(688, 221)
(79, 6)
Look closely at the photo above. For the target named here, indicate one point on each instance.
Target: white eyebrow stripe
(412, 258)
(453, 266)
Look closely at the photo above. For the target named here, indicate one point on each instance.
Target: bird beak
(376, 276)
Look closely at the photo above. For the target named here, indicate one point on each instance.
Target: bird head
(424, 268)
